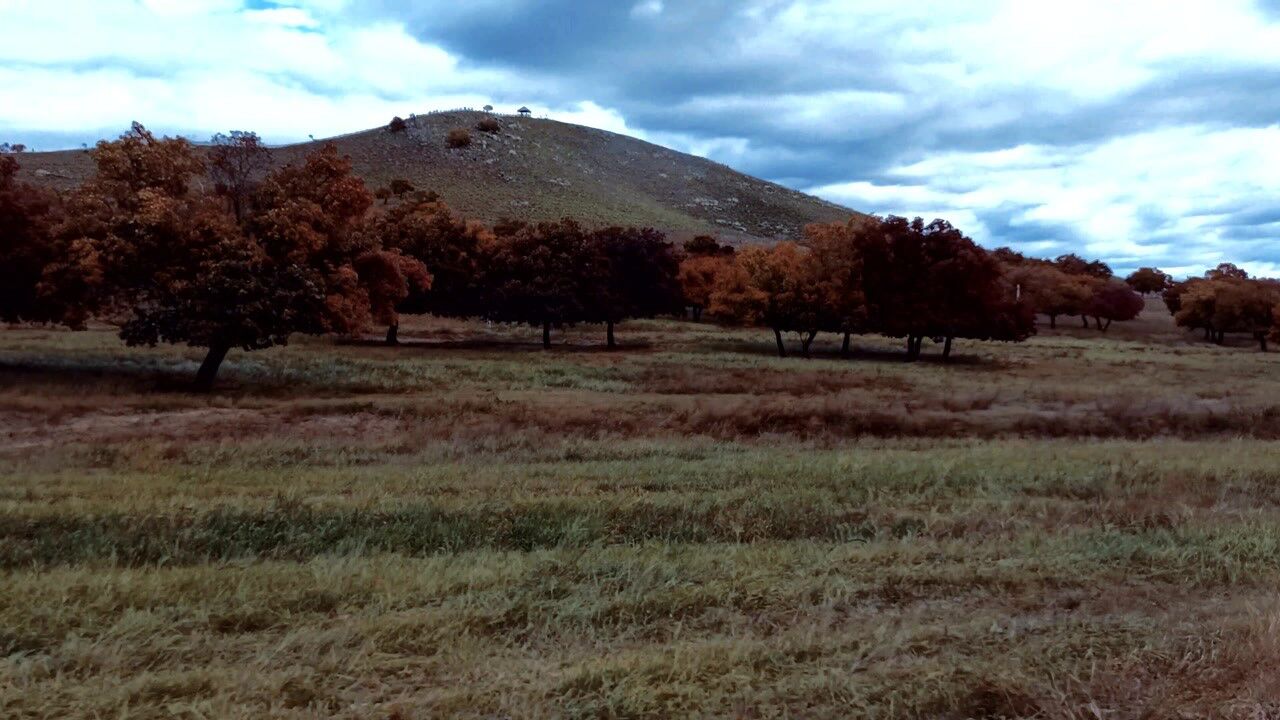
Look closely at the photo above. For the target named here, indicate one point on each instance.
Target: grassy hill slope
(542, 170)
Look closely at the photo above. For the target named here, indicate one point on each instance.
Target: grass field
(1081, 526)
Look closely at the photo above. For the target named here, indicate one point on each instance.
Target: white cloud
(938, 70)
(647, 9)
(210, 65)
(1108, 194)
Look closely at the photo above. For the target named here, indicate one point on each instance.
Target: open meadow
(1085, 525)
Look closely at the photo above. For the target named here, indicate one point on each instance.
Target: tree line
(1070, 286)
(217, 248)
(1226, 300)
(892, 276)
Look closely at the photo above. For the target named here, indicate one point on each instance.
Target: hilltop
(537, 169)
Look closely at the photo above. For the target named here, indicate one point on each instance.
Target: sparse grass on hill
(546, 170)
(1081, 526)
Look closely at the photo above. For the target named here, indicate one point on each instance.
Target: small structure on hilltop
(525, 112)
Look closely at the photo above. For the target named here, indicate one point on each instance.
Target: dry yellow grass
(1083, 526)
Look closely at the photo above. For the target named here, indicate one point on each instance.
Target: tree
(427, 230)
(390, 278)
(540, 275)
(184, 271)
(775, 287)
(397, 125)
(400, 187)
(1227, 271)
(706, 245)
(1222, 303)
(697, 276)
(27, 216)
(735, 298)
(1149, 281)
(932, 281)
(640, 277)
(1049, 291)
(1073, 264)
(237, 163)
(836, 253)
(1114, 301)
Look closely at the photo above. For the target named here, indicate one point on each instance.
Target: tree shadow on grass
(91, 375)
(856, 354)
(501, 345)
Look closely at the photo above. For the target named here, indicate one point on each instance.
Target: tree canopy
(180, 268)
(897, 277)
(27, 216)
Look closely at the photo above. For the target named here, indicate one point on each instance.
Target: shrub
(400, 187)
(458, 138)
(488, 125)
(397, 125)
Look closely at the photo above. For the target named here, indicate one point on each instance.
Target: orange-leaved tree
(426, 230)
(1050, 291)
(1226, 302)
(174, 266)
(697, 276)
(779, 288)
(836, 268)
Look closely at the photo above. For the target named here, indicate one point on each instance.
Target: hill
(539, 169)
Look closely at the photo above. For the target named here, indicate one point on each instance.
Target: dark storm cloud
(821, 106)
(702, 51)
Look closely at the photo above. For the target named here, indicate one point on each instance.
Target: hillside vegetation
(533, 169)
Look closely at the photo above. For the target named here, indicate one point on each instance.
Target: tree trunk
(1262, 341)
(946, 349)
(844, 347)
(1208, 334)
(782, 349)
(1085, 318)
(1098, 321)
(208, 371)
(1221, 337)
(609, 333)
(546, 335)
(697, 313)
(393, 334)
(913, 347)
(807, 341)
(1053, 322)
(1107, 326)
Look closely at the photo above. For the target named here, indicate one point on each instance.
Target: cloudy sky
(1140, 131)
